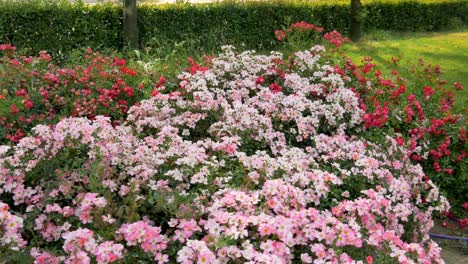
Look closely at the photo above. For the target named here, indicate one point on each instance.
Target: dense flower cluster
(253, 159)
(36, 91)
(10, 228)
(299, 30)
(421, 117)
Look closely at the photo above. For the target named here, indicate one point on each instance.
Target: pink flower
(280, 35)
(230, 148)
(108, 252)
(46, 258)
(161, 258)
(145, 235)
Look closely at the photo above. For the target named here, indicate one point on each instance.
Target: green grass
(448, 49)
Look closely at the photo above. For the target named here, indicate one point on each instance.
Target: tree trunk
(130, 24)
(356, 23)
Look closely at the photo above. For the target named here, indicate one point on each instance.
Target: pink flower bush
(146, 236)
(108, 252)
(253, 159)
(10, 229)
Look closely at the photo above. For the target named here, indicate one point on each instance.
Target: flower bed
(250, 159)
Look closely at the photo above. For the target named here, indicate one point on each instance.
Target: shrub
(59, 26)
(248, 158)
(36, 91)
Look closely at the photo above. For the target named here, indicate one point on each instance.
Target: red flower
(409, 114)
(369, 259)
(463, 222)
(259, 80)
(401, 90)
(13, 109)
(21, 92)
(161, 82)
(15, 138)
(154, 93)
(461, 156)
(129, 91)
(334, 38)
(128, 71)
(458, 86)
(303, 26)
(400, 141)
(7, 47)
(378, 118)
(119, 62)
(44, 56)
(194, 67)
(465, 205)
(448, 214)
(462, 134)
(28, 104)
(275, 88)
(428, 91)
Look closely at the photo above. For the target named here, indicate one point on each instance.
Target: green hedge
(61, 27)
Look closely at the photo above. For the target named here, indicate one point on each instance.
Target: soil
(453, 252)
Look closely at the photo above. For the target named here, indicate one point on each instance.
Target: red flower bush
(418, 110)
(38, 91)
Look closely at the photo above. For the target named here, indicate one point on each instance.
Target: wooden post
(130, 35)
(356, 23)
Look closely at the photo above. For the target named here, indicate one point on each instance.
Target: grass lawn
(448, 49)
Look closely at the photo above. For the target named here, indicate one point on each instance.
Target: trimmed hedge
(61, 27)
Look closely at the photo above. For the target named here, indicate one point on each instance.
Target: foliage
(59, 26)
